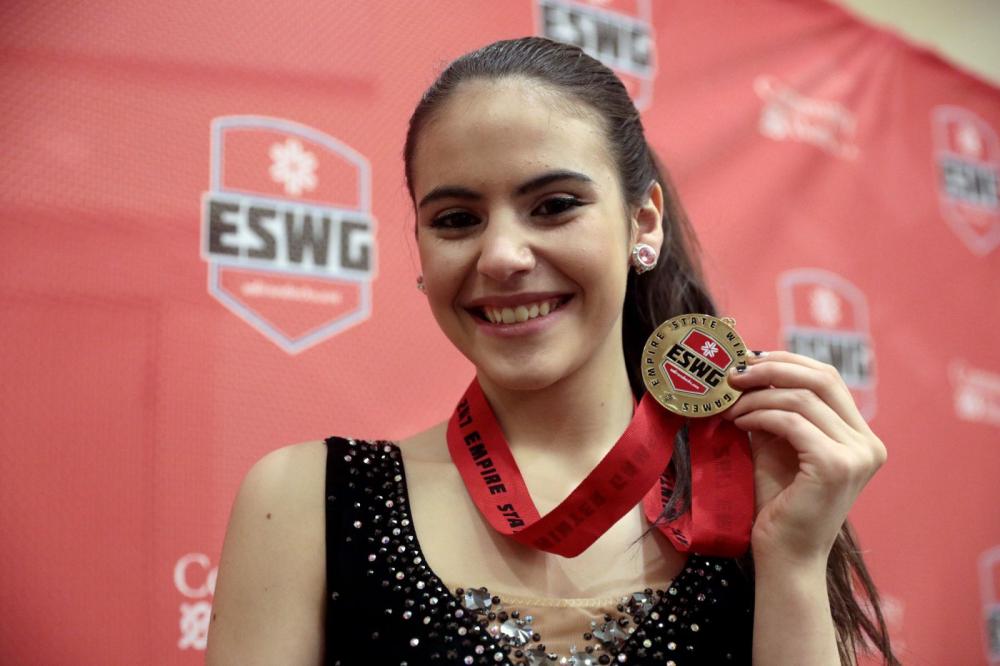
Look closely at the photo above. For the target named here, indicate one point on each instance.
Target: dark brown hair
(674, 287)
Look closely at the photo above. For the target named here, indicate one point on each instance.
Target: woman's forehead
(488, 130)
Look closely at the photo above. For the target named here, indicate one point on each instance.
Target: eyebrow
(538, 182)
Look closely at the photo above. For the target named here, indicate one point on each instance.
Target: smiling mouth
(520, 313)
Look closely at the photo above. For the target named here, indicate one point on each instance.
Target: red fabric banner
(208, 254)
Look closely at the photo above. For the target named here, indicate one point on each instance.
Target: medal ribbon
(717, 522)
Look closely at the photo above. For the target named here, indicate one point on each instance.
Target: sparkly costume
(386, 606)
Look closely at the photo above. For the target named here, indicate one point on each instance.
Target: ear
(647, 219)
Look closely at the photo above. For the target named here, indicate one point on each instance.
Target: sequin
(477, 599)
(579, 658)
(640, 602)
(537, 657)
(610, 634)
(517, 632)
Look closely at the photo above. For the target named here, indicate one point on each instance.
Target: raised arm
(269, 604)
(813, 453)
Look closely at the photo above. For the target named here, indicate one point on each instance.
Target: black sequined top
(385, 606)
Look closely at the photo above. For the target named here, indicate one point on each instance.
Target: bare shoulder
(269, 603)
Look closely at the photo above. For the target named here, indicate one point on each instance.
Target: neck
(578, 418)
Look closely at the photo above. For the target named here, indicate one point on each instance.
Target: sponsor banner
(989, 591)
(967, 157)
(788, 115)
(287, 230)
(194, 579)
(976, 393)
(619, 33)
(825, 317)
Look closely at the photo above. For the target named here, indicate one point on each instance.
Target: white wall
(966, 32)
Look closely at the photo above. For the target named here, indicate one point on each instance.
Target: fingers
(783, 369)
(799, 400)
(794, 428)
(834, 465)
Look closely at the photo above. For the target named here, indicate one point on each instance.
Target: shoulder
(283, 488)
(303, 464)
(269, 597)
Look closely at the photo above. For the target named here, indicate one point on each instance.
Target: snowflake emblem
(293, 167)
(709, 349)
(775, 123)
(968, 140)
(824, 305)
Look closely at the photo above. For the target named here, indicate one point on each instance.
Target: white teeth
(520, 313)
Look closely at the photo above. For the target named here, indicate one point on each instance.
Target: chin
(515, 378)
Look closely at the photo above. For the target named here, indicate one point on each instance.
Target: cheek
(600, 263)
(437, 258)
(443, 271)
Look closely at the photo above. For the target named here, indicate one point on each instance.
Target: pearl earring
(420, 284)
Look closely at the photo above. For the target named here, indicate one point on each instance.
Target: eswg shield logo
(989, 590)
(619, 33)
(967, 154)
(287, 229)
(825, 317)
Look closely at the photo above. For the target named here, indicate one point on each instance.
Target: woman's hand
(812, 453)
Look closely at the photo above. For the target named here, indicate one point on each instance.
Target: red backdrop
(207, 254)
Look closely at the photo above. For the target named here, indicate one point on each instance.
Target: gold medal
(685, 360)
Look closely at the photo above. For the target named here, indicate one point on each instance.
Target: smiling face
(523, 234)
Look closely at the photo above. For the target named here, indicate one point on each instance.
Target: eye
(454, 220)
(557, 205)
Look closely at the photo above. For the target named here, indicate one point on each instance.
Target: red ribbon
(717, 522)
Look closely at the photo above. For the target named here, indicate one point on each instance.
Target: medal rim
(666, 328)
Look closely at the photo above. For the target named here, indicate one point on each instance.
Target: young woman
(540, 209)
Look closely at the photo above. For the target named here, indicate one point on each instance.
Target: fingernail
(758, 353)
(741, 369)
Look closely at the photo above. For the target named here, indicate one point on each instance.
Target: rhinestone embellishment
(472, 626)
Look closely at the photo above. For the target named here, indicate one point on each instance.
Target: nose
(506, 249)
